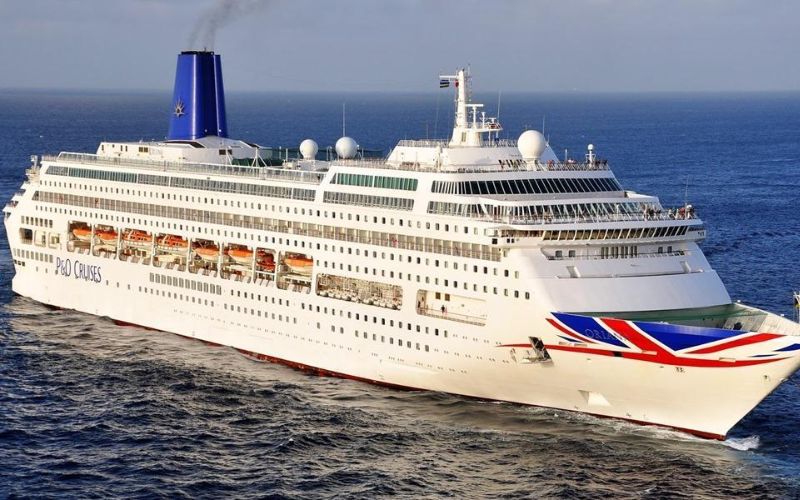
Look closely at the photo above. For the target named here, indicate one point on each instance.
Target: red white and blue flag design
(662, 343)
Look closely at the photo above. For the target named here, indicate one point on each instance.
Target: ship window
(574, 185)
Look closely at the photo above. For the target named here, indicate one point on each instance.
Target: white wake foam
(743, 444)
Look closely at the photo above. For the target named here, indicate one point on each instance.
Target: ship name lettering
(78, 270)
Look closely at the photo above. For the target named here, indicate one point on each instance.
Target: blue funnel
(198, 101)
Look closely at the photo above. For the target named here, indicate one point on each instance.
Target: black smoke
(222, 13)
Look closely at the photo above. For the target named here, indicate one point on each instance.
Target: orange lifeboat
(82, 233)
(108, 236)
(241, 256)
(208, 253)
(137, 238)
(299, 264)
(173, 244)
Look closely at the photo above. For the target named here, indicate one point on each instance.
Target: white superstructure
(474, 265)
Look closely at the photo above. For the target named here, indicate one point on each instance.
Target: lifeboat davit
(266, 261)
(299, 264)
(82, 233)
(173, 244)
(137, 238)
(241, 256)
(107, 236)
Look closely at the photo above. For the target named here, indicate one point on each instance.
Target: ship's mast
(461, 99)
(466, 132)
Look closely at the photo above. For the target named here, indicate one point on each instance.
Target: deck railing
(575, 219)
(522, 166)
(432, 143)
(261, 173)
(646, 255)
(463, 318)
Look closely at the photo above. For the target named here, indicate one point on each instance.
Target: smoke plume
(222, 13)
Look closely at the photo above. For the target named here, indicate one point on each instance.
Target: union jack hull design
(667, 343)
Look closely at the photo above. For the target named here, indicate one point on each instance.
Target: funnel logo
(179, 108)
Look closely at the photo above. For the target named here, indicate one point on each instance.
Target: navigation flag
(444, 83)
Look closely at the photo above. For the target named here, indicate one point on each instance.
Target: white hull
(704, 401)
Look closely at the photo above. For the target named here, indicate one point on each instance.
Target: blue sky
(397, 45)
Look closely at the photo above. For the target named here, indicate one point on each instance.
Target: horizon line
(400, 92)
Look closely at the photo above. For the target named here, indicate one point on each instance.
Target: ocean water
(91, 409)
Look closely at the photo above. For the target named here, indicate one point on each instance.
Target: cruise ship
(475, 265)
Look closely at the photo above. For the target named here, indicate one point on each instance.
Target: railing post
(188, 252)
(119, 243)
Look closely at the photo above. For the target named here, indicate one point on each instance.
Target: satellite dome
(531, 144)
(346, 148)
(309, 148)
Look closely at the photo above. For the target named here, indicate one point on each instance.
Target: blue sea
(89, 409)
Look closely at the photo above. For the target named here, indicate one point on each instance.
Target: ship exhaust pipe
(198, 99)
